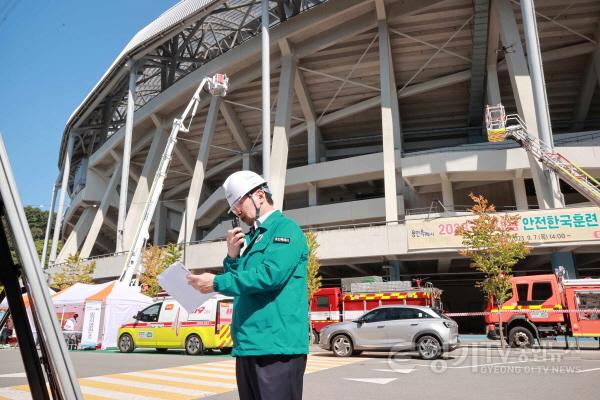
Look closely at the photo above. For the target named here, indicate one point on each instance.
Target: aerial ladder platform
(501, 127)
(217, 85)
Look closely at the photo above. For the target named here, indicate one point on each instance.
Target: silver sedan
(393, 328)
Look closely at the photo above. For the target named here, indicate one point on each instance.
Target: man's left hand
(202, 282)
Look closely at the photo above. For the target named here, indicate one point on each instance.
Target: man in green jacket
(265, 272)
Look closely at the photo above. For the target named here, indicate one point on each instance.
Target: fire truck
(331, 305)
(545, 306)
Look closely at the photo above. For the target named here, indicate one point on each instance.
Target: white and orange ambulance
(167, 325)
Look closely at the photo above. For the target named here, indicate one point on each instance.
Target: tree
(155, 260)
(312, 276)
(37, 220)
(75, 270)
(313, 279)
(494, 249)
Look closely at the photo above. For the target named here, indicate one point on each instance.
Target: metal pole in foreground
(126, 157)
(266, 93)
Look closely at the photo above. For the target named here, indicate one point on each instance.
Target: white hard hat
(241, 183)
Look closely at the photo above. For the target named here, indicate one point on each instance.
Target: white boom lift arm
(498, 130)
(217, 86)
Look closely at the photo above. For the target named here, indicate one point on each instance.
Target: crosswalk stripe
(162, 378)
(14, 394)
(230, 370)
(130, 390)
(215, 386)
(192, 374)
(182, 388)
(177, 383)
(110, 394)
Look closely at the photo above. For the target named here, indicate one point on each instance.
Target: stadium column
(281, 130)
(520, 192)
(186, 233)
(540, 98)
(61, 202)
(96, 225)
(49, 223)
(313, 133)
(390, 119)
(122, 216)
(447, 192)
(523, 94)
(160, 224)
(142, 190)
(77, 235)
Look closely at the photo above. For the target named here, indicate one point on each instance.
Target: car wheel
(520, 337)
(429, 347)
(193, 345)
(342, 346)
(314, 337)
(126, 344)
(161, 350)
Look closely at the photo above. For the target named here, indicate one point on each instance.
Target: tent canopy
(108, 293)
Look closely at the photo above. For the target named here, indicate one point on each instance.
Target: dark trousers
(276, 377)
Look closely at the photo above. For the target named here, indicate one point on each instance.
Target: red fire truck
(331, 305)
(545, 306)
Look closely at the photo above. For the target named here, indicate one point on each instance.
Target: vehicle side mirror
(138, 316)
(359, 321)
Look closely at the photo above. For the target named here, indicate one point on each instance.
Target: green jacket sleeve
(277, 266)
(230, 264)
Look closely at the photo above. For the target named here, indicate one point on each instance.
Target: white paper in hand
(174, 281)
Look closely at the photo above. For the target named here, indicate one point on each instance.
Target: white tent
(104, 308)
(4, 304)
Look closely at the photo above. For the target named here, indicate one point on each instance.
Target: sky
(52, 53)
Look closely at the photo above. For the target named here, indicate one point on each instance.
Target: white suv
(393, 328)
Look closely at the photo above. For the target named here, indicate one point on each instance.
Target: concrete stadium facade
(377, 120)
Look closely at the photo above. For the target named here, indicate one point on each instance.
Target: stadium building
(378, 133)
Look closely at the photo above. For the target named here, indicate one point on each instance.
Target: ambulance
(167, 325)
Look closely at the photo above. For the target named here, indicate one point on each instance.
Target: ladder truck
(217, 85)
(501, 126)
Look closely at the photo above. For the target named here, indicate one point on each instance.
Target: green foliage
(155, 260)
(37, 220)
(493, 247)
(75, 270)
(313, 277)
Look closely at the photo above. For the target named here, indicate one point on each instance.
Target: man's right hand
(235, 240)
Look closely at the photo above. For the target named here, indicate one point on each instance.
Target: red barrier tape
(482, 313)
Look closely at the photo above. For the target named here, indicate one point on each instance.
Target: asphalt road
(477, 370)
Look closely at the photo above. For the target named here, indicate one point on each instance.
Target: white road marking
(149, 386)
(379, 381)
(113, 394)
(398, 370)
(588, 370)
(15, 375)
(15, 394)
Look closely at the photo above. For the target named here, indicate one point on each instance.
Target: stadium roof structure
(446, 59)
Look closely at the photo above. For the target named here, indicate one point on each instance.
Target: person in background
(268, 283)
(71, 323)
(7, 331)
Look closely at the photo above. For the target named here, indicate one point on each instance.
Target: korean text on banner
(535, 227)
